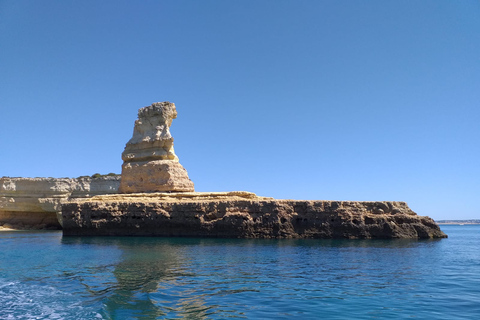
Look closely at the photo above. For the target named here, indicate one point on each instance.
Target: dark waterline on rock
(43, 274)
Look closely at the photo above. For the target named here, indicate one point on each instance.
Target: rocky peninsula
(156, 198)
(35, 203)
(242, 215)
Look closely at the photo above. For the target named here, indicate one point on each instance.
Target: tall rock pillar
(149, 161)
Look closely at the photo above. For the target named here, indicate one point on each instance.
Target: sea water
(46, 276)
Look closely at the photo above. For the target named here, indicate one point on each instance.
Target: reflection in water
(146, 277)
(43, 275)
(186, 278)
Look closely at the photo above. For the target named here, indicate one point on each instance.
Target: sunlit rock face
(149, 160)
(35, 203)
(151, 138)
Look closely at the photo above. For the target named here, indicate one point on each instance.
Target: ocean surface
(46, 276)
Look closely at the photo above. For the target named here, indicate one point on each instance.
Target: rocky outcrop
(156, 198)
(27, 203)
(242, 215)
(154, 176)
(149, 161)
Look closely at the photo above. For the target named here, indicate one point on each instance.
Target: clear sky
(327, 100)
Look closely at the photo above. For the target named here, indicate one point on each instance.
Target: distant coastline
(470, 221)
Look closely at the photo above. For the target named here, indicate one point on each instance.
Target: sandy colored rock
(157, 199)
(242, 215)
(149, 160)
(36, 202)
(151, 138)
(176, 197)
(154, 176)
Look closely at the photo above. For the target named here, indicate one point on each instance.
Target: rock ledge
(242, 215)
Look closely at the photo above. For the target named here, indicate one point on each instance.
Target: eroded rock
(149, 160)
(242, 215)
(35, 203)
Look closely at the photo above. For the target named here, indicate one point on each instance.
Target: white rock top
(151, 138)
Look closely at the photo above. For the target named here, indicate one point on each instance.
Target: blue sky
(327, 100)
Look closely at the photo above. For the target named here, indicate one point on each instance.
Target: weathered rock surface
(35, 202)
(242, 215)
(157, 199)
(149, 161)
(154, 176)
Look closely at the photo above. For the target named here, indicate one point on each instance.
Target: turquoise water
(46, 276)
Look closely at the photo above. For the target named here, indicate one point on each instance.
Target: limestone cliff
(155, 198)
(35, 202)
(242, 215)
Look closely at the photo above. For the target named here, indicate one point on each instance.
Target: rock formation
(149, 161)
(35, 203)
(156, 199)
(242, 215)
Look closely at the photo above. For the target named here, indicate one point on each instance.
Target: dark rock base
(248, 219)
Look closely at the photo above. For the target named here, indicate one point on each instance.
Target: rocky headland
(35, 203)
(242, 215)
(155, 197)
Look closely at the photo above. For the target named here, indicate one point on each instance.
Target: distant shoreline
(456, 223)
(459, 222)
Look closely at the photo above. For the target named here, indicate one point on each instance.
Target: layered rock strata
(242, 215)
(149, 161)
(35, 203)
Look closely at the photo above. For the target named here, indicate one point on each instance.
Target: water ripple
(45, 276)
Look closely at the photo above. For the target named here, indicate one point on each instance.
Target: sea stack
(149, 161)
(157, 199)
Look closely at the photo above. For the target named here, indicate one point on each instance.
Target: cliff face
(157, 199)
(242, 215)
(34, 202)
